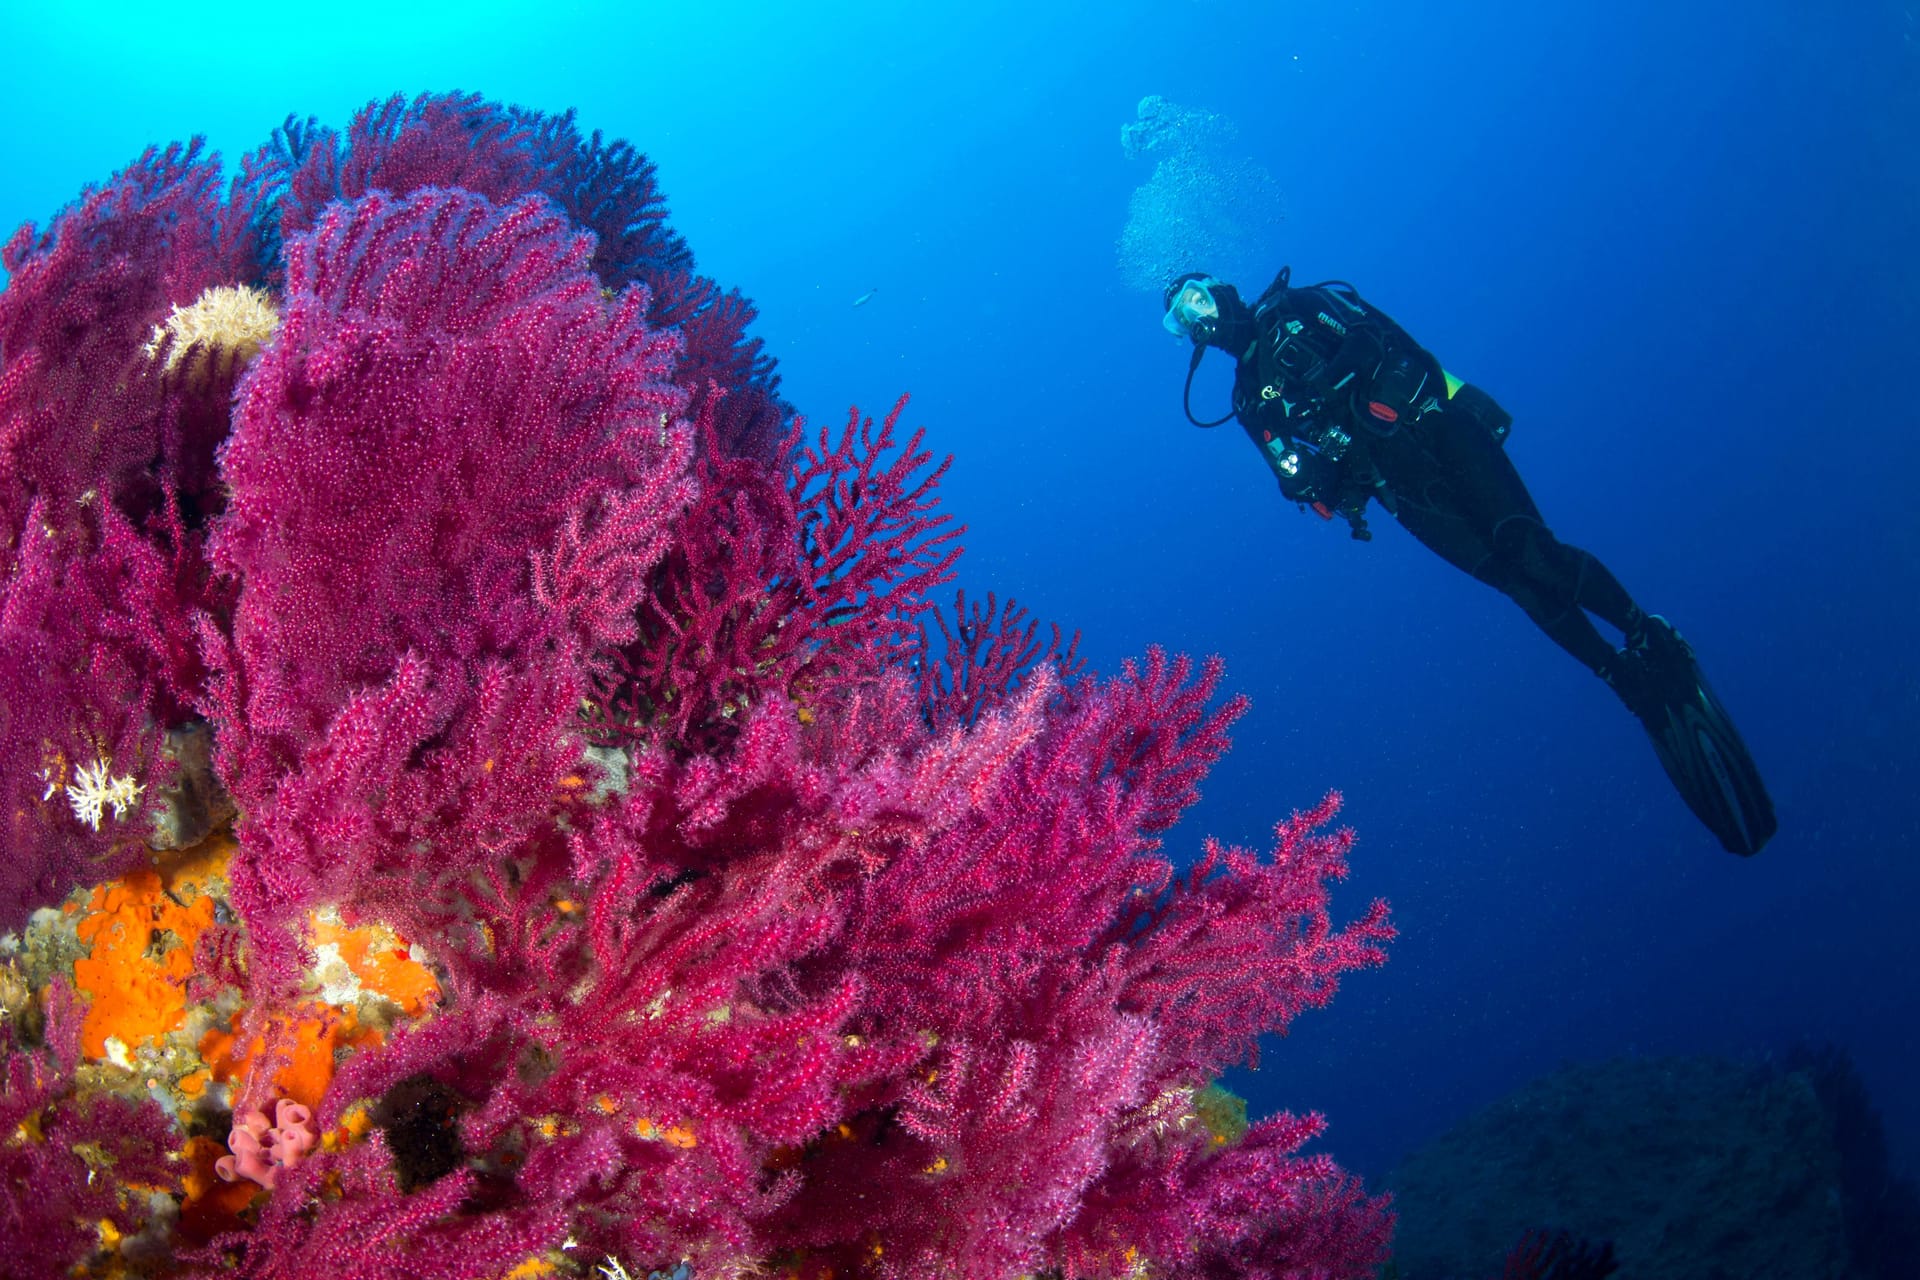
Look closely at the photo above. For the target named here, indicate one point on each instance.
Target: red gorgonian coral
(770, 932)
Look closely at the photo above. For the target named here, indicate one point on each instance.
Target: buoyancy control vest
(1328, 378)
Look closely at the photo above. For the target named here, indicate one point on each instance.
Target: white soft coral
(93, 790)
(223, 325)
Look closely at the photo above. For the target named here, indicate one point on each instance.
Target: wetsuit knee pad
(1530, 547)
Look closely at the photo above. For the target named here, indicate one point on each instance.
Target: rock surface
(1695, 1168)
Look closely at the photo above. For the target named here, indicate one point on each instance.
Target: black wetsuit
(1346, 407)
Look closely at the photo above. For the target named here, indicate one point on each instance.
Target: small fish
(866, 297)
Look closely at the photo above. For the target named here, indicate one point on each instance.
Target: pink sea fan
(449, 476)
(96, 662)
(84, 415)
(834, 952)
(803, 583)
(69, 1160)
(106, 467)
(1033, 946)
(401, 146)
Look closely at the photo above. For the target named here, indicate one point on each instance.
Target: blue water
(1676, 240)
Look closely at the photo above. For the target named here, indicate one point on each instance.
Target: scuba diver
(1348, 409)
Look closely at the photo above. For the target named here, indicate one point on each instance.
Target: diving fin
(1697, 744)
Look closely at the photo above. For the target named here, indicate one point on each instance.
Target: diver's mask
(1192, 310)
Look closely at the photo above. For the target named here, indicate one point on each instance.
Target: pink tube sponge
(261, 1149)
(292, 1133)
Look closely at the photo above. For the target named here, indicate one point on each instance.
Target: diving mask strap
(1186, 396)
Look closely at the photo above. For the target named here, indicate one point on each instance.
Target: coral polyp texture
(490, 792)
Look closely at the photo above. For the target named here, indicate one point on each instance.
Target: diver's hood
(1232, 330)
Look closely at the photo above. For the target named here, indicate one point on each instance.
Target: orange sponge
(306, 1043)
(142, 930)
(382, 961)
